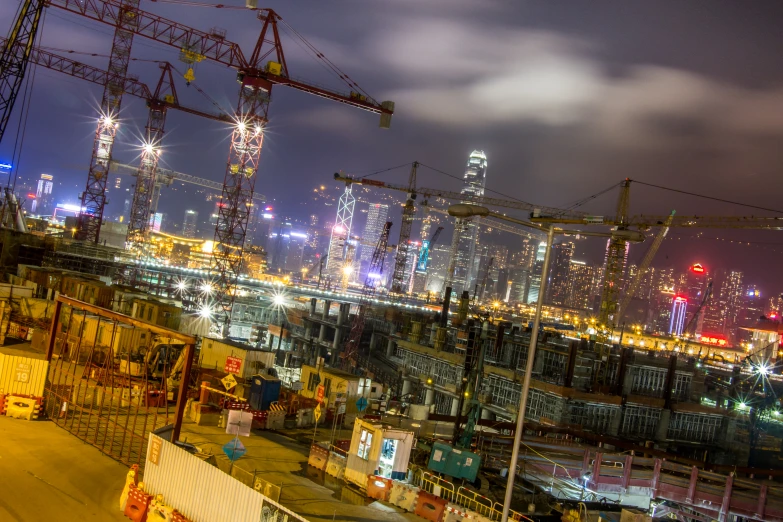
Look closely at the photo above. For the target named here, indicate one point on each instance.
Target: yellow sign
(317, 413)
(155, 445)
(229, 381)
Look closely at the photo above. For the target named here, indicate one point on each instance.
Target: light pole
(466, 211)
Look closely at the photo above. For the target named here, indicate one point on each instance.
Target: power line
(721, 200)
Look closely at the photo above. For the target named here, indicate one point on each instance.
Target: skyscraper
(557, 282)
(339, 256)
(677, 322)
(377, 215)
(579, 284)
(535, 274)
(43, 195)
(463, 242)
(189, 223)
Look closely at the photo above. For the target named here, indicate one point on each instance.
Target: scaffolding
(441, 372)
(640, 421)
(592, 416)
(696, 427)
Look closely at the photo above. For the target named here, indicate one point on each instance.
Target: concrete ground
(282, 460)
(48, 474)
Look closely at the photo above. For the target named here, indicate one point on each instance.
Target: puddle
(339, 489)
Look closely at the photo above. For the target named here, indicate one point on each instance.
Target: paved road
(48, 474)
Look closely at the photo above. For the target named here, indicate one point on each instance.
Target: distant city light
(298, 234)
(7, 166)
(267, 216)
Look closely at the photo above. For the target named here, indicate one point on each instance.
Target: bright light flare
(205, 311)
(278, 300)
(206, 288)
(762, 369)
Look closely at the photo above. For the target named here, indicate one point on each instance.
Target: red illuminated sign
(716, 341)
(698, 268)
(233, 365)
(31, 195)
(680, 298)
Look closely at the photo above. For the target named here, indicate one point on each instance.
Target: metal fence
(114, 379)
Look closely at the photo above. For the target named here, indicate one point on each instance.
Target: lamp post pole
(531, 352)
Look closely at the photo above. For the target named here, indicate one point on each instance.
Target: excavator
(165, 358)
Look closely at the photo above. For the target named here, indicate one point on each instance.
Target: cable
(384, 170)
(590, 198)
(721, 200)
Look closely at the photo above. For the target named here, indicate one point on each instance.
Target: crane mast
(265, 67)
(399, 286)
(15, 57)
(350, 351)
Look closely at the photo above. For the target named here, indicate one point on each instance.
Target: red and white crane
(256, 75)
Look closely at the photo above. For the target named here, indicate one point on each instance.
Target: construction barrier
(179, 517)
(429, 506)
(319, 456)
(275, 419)
(455, 513)
(137, 505)
(26, 408)
(404, 496)
(335, 465)
(379, 488)
(2, 404)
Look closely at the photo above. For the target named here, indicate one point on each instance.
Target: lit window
(365, 442)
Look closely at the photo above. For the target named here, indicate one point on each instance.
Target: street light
(466, 211)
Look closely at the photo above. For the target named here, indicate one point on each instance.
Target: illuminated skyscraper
(463, 242)
(43, 195)
(557, 282)
(535, 274)
(190, 223)
(339, 258)
(579, 284)
(693, 288)
(679, 307)
(377, 215)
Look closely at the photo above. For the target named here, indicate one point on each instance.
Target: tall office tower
(557, 282)
(715, 311)
(579, 284)
(43, 195)
(463, 242)
(377, 215)
(752, 307)
(662, 311)
(518, 285)
(693, 287)
(535, 274)
(278, 244)
(677, 322)
(526, 254)
(338, 261)
(732, 294)
(190, 223)
(621, 269)
(156, 221)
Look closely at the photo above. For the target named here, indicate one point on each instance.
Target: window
(365, 442)
(312, 382)
(327, 386)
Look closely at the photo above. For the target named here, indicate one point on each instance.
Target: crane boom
(427, 193)
(168, 177)
(645, 264)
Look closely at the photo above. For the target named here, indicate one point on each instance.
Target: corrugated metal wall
(201, 491)
(22, 375)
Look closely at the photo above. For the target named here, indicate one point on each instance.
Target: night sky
(566, 99)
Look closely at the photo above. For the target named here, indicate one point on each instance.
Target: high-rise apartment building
(190, 223)
(43, 202)
(579, 284)
(560, 266)
(463, 242)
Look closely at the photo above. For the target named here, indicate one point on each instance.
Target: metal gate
(114, 379)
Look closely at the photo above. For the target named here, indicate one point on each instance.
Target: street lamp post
(467, 211)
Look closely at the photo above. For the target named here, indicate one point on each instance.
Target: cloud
(464, 74)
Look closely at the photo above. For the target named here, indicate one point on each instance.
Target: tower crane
(15, 56)
(403, 245)
(351, 347)
(265, 68)
(643, 266)
(163, 98)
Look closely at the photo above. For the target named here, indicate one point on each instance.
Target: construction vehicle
(165, 358)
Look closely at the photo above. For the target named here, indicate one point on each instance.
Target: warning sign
(229, 381)
(317, 413)
(233, 365)
(155, 450)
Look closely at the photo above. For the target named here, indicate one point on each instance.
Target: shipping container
(231, 357)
